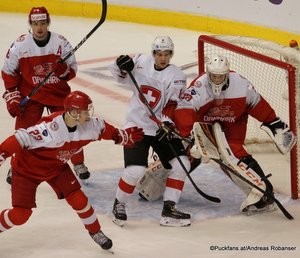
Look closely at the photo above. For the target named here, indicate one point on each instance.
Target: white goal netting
(271, 80)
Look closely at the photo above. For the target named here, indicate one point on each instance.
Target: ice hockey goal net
(274, 70)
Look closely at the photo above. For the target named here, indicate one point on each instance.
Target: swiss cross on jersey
(151, 94)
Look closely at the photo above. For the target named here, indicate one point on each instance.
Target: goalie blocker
(210, 142)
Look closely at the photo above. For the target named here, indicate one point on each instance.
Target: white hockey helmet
(217, 69)
(163, 43)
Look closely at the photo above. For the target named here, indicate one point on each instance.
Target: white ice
(54, 230)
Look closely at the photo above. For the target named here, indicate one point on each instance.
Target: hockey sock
(84, 210)
(13, 217)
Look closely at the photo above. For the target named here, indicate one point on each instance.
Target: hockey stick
(231, 170)
(189, 65)
(207, 138)
(208, 197)
(102, 19)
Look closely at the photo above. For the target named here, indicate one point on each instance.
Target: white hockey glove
(281, 134)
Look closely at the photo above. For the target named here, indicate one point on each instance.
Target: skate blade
(109, 251)
(269, 208)
(118, 222)
(170, 222)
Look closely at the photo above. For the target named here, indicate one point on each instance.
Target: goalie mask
(163, 43)
(217, 69)
(79, 102)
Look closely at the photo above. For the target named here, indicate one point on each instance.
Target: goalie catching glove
(281, 134)
(128, 137)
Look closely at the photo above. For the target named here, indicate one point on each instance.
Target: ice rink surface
(217, 230)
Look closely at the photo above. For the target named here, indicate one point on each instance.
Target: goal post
(274, 70)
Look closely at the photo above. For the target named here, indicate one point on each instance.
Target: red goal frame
(291, 70)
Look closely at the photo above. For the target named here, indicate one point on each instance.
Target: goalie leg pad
(205, 142)
(152, 184)
(227, 156)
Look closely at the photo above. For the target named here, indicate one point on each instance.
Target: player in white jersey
(28, 61)
(40, 154)
(226, 97)
(161, 83)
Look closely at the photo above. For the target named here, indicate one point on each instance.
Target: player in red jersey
(28, 61)
(226, 97)
(41, 153)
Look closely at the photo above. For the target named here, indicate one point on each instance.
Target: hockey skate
(82, 172)
(119, 213)
(172, 217)
(8, 177)
(265, 204)
(102, 240)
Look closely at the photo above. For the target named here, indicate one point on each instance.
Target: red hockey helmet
(38, 14)
(293, 43)
(77, 100)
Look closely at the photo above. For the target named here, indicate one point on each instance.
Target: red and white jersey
(26, 64)
(158, 87)
(231, 108)
(42, 151)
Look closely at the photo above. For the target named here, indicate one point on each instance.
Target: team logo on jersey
(21, 38)
(151, 94)
(61, 37)
(54, 126)
(42, 70)
(220, 113)
(45, 132)
(65, 155)
(198, 84)
(193, 92)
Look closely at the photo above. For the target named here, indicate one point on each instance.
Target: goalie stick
(102, 19)
(208, 138)
(208, 197)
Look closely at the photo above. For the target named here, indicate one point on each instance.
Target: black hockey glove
(125, 63)
(164, 134)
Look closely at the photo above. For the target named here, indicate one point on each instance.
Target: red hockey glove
(13, 100)
(128, 136)
(61, 69)
(2, 159)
